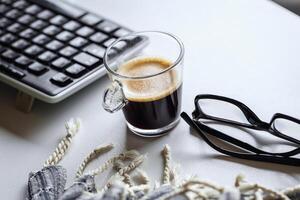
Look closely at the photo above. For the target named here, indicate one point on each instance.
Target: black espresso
(154, 102)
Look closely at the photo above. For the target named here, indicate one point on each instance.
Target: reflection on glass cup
(146, 73)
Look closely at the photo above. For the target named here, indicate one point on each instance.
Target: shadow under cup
(147, 84)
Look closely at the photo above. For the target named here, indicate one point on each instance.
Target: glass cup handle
(114, 98)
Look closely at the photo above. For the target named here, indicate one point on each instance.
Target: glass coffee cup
(146, 73)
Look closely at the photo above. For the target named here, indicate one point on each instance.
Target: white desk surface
(248, 50)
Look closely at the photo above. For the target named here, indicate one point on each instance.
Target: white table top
(247, 50)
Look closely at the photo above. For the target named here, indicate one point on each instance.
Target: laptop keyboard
(49, 47)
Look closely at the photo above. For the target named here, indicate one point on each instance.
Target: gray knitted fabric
(117, 191)
(50, 182)
(83, 185)
(47, 184)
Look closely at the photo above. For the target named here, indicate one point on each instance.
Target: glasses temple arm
(239, 143)
(265, 158)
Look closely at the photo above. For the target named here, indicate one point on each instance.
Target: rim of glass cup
(177, 61)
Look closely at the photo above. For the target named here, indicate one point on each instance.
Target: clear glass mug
(146, 73)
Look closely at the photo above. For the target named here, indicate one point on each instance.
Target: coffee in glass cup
(147, 85)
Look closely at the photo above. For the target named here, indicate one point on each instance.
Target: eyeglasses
(281, 126)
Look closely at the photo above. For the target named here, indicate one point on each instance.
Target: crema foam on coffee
(152, 88)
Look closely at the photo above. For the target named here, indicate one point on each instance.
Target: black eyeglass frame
(252, 118)
(255, 123)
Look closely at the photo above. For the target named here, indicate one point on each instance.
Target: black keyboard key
(98, 37)
(61, 79)
(7, 1)
(67, 9)
(45, 14)
(65, 36)
(4, 22)
(9, 55)
(75, 70)
(112, 53)
(108, 42)
(3, 66)
(60, 63)
(78, 42)
(33, 50)
(28, 33)
(71, 26)
(86, 59)
(33, 9)
(95, 50)
(20, 44)
(23, 62)
(38, 24)
(91, 19)
(54, 45)
(16, 28)
(4, 8)
(37, 68)
(2, 48)
(25, 19)
(7, 38)
(13, 14)
(85, 31)
(21, 4)
(107, 26)
(68, 51)
(47, 56)
(120, 46)
(51, 30)
(133, 40)
(15, 72)
(41, 39)
(58, 20)
(121, 32)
